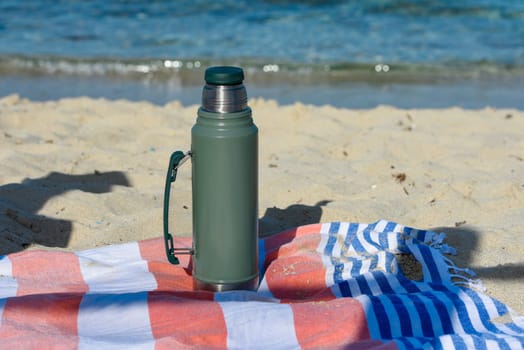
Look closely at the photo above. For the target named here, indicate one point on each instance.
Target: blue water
(406, 53)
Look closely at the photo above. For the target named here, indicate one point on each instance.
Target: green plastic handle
(176, 159)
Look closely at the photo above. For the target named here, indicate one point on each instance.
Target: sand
(83, 173)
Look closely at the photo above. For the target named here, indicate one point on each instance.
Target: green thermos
(224, 155)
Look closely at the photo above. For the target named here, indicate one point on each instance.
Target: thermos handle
(175, 161)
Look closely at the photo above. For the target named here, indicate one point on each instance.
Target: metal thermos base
(251, 284)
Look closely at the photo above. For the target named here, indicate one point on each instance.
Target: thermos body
(224, 149)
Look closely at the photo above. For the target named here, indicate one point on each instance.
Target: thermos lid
(224, 75)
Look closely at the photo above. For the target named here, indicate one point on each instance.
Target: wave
(258, 70)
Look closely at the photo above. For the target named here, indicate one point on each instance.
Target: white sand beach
(82, 173)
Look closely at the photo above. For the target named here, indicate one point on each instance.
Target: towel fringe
(464, 279)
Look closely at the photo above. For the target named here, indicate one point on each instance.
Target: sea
(354, 54)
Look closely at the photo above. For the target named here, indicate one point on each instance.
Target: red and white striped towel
(333, 285)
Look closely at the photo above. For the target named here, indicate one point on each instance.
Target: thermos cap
(224, 91)
(224, 75)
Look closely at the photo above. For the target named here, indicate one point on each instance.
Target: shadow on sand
(20, 224)
(276, 219)
(466, 240)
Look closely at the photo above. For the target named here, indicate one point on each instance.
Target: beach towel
(335, 285)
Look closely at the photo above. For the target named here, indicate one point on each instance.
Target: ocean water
(408, 53)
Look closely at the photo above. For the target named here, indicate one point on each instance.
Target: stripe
(404, 317)
(430, 267)
(395, 283)
(274, 242)
(181, 322)
(494, 344)
(422, 324)
(518, 320)
(258, 325)
(7, 281)
(422, 236)
(334, 228)
(371, 226)
(366, 265)
(391, 263)
(2, 306)
(430, 323)
(338, 270)
(330, 270)
(372, 284)
(374, 261)
(393, 242)
(403, 343)
(336, 323)
(477, 319)
(446, 342)
(392, 227)
(369, 237)
(332, 238)
(378, 225)
(362, 245)
(458, 342)
(356, 267)
(382, 282)
(363, 285)
(339, 249)
(409, 285)
(354, 287)
(462, 312)
(119, 320)
(383, 239)
(434, 268)
(322, 245)
(486, 309)
(351, 241)
(477, 311)
(515, 329)
(116, 269)
(495, 309)
(329, 244)
(299, 273)
(241, 295)
(474, 342)
(513, 342)
(324, 228)
(40, 322)
(382, 316)
(416, 343)
(103, 344)
(304, 244)
(371, 316)
(448, 314)
(501, 342)
(391, 319)
(345, 290)
(408, 231)
(347, 285)
(297, 277)
(261, 259)
(42, 272)
(166, 277)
